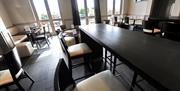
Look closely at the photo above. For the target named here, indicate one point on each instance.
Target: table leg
(114, 65)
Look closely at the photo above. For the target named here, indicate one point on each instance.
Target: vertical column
(97, 11)
(161, 8)
(76, 18)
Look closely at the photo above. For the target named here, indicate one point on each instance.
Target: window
(109, 7)
(41, 9)
(90, 7)
(113, 7)
(86, 11)
(45, 9)
(54, 9)
(117, 6)
(81, 7)
(82, 11)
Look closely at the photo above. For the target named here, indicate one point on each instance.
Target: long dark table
(155, 59)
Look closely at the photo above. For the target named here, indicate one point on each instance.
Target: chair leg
(28, 76)
(39, 44)
(19, 86)
(47, 42)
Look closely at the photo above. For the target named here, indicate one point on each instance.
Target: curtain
(97, 11)
(75, 13)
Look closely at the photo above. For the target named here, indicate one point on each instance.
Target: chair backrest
(63, 27)
(13, 30)
(13, 62)
(106, 21)
(44, 30)
(63, 80)
(126, 20)
(170, 27)
(115, 18)
(65, 50)
(148, 25)
(171, 30)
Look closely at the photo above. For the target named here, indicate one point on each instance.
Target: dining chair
(39, 38)
(13, 73)
(171, 31)
(45, 31)
(123, 25)
(80, 50)
(149, 28)
(28, 32)
(103, 81)
(69, 40)
(71, 34)
(67, 32)
(126, 20)
(106, 21)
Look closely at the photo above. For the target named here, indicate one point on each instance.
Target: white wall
(103, 9)
(19, 11)
(4, 15)
(137, 8)
(176, 8)
(148, 9)
(125, 5)
(66, 12)
(144, 7)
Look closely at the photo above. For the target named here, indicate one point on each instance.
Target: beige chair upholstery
(25, 49)
(157, 30)
(5, 77)
(151, 31)
(104, 81)
(19, 38)
(69, 32)
(13, 30)
(131, 21)
(70, 41)
(147, 30)
(79, 49)
(138, 22)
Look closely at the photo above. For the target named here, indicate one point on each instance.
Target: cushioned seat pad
(5, 77)
(103, 81)
(79, 49)
(70, 41)
(151, 31)
(19, 38)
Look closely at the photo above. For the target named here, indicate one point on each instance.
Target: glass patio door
(48, 13)
(86, 11)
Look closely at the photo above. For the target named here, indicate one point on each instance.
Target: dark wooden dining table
(155, 59)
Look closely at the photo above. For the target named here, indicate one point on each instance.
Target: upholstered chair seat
(70, 40)
(104, 81)
(19, 38)
(69, 32)
(79, 49)
(151, 31)
(5, 77)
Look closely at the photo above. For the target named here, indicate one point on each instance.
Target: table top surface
(156, 57)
